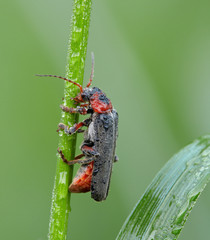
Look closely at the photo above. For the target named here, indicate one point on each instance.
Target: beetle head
(86, 94)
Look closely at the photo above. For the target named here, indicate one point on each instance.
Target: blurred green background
(152, 60)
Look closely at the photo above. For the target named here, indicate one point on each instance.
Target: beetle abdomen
(82, 181)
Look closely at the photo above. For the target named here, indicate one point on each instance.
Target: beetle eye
(84, 96)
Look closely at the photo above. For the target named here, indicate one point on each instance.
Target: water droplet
(176, 230)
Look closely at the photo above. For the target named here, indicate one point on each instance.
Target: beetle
(99, 143)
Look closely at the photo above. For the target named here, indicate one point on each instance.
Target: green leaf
(163, 209)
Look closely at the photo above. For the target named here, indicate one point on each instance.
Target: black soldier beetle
(99, 143)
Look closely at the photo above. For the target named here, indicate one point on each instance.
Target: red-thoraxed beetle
(99, 143)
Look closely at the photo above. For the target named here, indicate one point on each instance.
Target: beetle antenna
(66, 79)
(92, 69)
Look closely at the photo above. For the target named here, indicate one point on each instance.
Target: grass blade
(163, 209)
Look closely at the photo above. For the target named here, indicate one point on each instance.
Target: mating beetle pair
(99, 143)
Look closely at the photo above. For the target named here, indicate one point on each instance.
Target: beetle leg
(84, 161)
(89, 150)
(80, 131)
(75, 128)
(84, 105)
(76, 160)
(81, 110)
(78, 156)
(116, 158)
(76, 100)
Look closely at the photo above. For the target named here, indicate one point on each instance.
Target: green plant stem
(60, 207)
